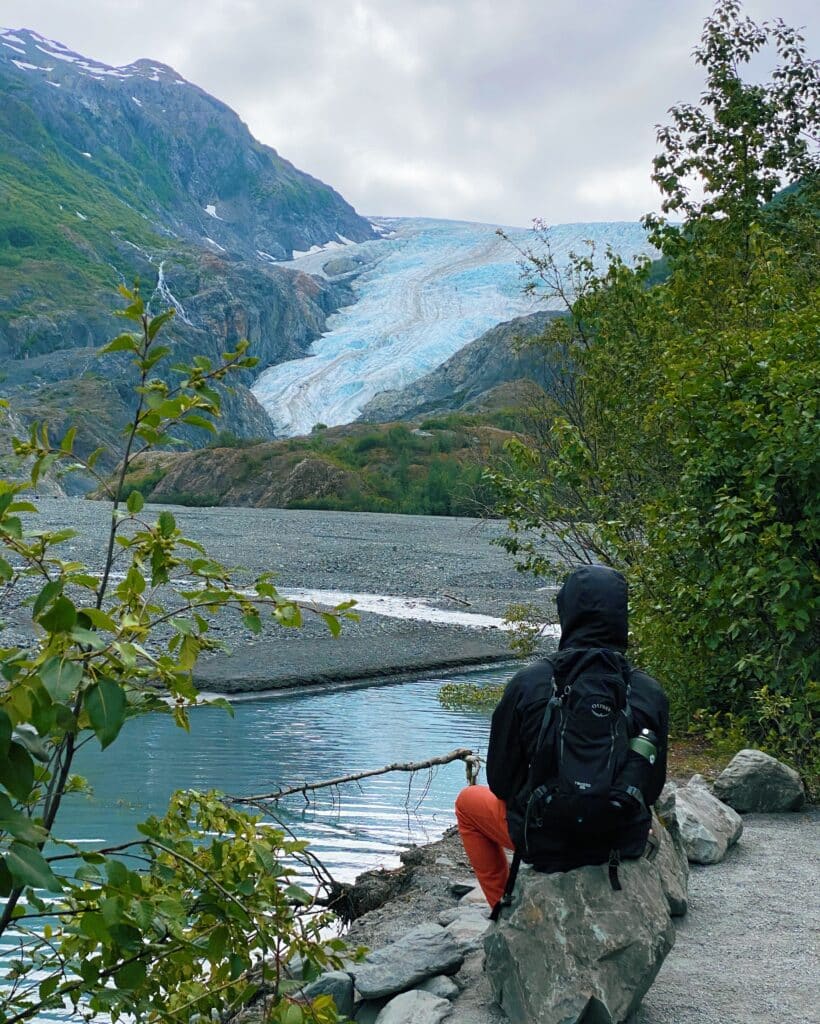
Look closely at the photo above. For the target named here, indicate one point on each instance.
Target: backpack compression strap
(506, 899)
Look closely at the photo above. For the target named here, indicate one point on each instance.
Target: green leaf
(99, 619)
(253, 622)
(332, 623)
(67, 443)
(60, 618)
(6, 571)
(122, 343)
(47, 595)
(130, 976)
(17, 771)
(167, 523)
(60, 677)
(158, 322)
(105, 704)
(135, 502)
(28, 867)
(18, 824)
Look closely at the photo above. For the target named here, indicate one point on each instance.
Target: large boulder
(707, 826)
(571, 949)
(422, 953)
(754, 781)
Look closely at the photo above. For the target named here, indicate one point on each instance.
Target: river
(286, 740)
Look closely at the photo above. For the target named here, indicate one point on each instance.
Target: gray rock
(570, 949)
(337, 984)
(416, 1007)
(441, 986)
(707, 827)
(673, 865)
(468, 928)
(475, 897)
(665, 804)
(462, 910)
(754, 781)
(463, 886)
(422, 953)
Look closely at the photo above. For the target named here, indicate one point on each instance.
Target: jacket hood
(592, 609)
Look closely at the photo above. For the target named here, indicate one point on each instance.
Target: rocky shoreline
(741, 954)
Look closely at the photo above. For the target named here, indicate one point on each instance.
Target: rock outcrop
(755, 781)
(497, 356)
(570, 949)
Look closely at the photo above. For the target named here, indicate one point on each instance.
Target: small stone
(441, 986)
(416, 1007)
(474, 898)
(445, 862)
(463, 886)
(755, 781)
(337, 984)
(468, 928)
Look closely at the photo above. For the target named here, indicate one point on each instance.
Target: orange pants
(482, 824)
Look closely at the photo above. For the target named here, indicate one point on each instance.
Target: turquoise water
(284, 741)
(287, 740)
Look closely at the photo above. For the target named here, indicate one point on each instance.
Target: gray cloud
(470, 109)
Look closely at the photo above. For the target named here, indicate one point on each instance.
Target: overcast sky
(486, 110)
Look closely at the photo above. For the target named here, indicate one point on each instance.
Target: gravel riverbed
(442, 563)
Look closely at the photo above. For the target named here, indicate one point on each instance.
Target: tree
(680, 443)
(199, 913)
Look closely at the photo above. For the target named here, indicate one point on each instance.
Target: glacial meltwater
(287, 740)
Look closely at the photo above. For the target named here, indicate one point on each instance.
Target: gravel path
(448, 562)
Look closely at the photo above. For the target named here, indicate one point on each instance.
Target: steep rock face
(167, 148)
(111, 174)
(492, 359)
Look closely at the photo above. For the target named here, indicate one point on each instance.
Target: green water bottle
(645, 744)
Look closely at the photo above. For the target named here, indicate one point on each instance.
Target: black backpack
(571, 799)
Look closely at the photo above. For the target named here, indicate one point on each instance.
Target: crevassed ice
(427, 290)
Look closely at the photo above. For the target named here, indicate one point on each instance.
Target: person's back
(592, 607)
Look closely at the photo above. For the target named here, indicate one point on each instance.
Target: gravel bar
(451, 563)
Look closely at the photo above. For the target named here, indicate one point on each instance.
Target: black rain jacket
(592, 609)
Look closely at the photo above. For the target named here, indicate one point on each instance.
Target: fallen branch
(471, 761)
(457, 600)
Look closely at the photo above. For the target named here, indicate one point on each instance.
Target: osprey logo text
(601, 710)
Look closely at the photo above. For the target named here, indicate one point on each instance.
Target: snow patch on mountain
(428, 288)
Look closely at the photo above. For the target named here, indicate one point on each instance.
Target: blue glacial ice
(428, 288)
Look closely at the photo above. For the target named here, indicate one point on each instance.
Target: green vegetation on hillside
(435, 468)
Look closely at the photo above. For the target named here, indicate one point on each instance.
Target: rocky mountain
(108, 174)
(499, 356)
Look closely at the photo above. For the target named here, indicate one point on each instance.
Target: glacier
(426, 288)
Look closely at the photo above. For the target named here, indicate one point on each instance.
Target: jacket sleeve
(506, 763)
(650, 709)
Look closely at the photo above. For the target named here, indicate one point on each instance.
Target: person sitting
(577, 750)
